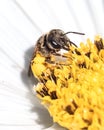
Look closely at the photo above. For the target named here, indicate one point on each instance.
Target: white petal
(18, 105)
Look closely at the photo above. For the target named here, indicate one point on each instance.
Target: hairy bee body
(51, 43)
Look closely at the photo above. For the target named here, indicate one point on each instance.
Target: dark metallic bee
(52, 43)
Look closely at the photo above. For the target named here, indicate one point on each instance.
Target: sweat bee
(51, 43)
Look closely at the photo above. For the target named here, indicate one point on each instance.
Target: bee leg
(48, 59)
(73, 44)
(58, 54)
(29, 71)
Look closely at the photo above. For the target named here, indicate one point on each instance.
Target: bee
(51, 43)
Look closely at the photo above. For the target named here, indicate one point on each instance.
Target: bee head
(56, 40)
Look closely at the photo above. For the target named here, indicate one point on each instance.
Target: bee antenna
(74, 33)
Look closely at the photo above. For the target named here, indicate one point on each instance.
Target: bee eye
(55, 45)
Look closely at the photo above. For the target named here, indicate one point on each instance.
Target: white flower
(21, 23)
